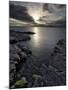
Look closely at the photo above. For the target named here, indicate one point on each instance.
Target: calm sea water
(43, 42)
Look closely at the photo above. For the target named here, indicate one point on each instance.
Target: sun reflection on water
(36, 37)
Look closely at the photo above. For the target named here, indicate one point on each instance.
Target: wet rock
(20, 33)
(14, 49)
(20, 36)
(56, 49)
(26, 50)
(24, 38)
(17, 58)
(14, 57)
(59, 62)
(61, 43)
(23, 55)
(29, 32)
(58, 58)
(50, 76)
(13, 40)
(12, 67)
(35, 76)
(37, 80)
(12, 74)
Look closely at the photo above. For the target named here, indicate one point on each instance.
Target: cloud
(44, 12)
(54, 12)
(20, 12)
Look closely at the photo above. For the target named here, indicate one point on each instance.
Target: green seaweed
(21, 83)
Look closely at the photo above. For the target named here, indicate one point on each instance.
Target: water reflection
(36, 37)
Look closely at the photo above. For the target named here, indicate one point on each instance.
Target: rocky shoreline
(24, 69)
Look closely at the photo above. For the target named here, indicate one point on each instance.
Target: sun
(36, 18)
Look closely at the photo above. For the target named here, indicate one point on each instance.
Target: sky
(40, 13)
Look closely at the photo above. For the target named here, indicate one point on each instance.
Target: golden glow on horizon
(35, 17)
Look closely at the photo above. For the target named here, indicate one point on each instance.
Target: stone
(13, 40)
(21, 83)
(26, 50)
(35, 76)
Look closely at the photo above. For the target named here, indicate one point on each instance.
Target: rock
(21, 83)
(13, 86)
(23, 78)
(19, 36)
(50, 76)
(12, 74)
(14, 49)
(13, 62)
(24, 38)
(14, 57)
(61, 42)
(35, 76)
(26, 50)
(13, 40)
(58, 58)
(29, 32)
(37, 80)
(59, 62)
(18, 56)
(56, 49)
(22, 55)
(17, 48)
(12, 67)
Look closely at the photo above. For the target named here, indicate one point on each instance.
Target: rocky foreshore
(18, 54)
(24, 69)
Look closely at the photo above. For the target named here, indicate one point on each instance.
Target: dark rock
(22, 55)
(19, 36)
(23, 38)
(58, 59)
(56, 49)
(14, 57)
(50, 77)
(13, 40)
(26, 50)
(29, 32)
(61, 42)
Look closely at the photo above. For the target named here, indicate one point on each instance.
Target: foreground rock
(21, 83)
(18, 56)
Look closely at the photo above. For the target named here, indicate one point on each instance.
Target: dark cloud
(60, 22)
(45, 7)
(45, 12)
(19, 12)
